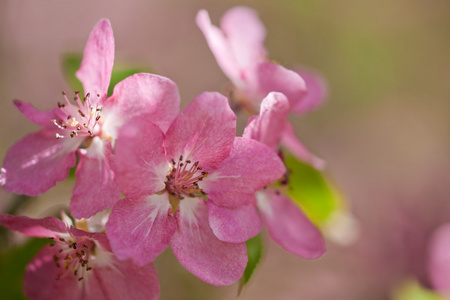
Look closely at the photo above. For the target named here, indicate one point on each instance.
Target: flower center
(72, 257)
(78, 120)
(183, 179)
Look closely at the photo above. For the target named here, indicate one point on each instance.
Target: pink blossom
(170, 181)
(79, 264)
(439, 261)
(238, 47)
(287, 224)
(88, 126)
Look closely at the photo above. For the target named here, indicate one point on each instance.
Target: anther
(81, 278)
(77, 92)
(188, 161)
(81, 113)
(98, 118)
(84, 246)
(181, 157)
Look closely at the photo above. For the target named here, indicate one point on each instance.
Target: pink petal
(98, 59)
(268, 127)
(152, 96)
(40, 279)
(123, 280)
(234, 225)
(317, 91)
(220, 47)
(47, 227)
(293, 144)
(250, 167)
(141, 229)
(267, 77)
(139, 161)
(200, 251)
(439, 265)
(35, 163)
(203, 132)
(288, 226)
(96, 188)
(42, 118)
(99, 237)
(113, 279)
(245, 34)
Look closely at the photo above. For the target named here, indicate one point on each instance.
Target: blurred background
(384, 130)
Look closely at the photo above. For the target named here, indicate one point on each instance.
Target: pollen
(183, 179)
(74, 262)
(77, 120)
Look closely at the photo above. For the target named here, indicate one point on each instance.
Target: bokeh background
(384, 130)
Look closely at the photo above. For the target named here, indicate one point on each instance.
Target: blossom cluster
(188, 181)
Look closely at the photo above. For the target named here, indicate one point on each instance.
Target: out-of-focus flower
(287, 224)
(173, 182)
(238, 47)
(439, 264)
(79, 264)
(38, 161)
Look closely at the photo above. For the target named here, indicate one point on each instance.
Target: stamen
(183, 181)
(74, 262)
(79, 119)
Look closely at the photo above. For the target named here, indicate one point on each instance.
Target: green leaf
(119, 73)
(254, 252)
(414, 291)
(12, 268)
(71, 63)
(311, 191)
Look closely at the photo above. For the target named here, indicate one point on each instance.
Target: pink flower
(238, 47)
(171, 180)
(439, 261)
(87, 127)
(287, 224)
(79, 264)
